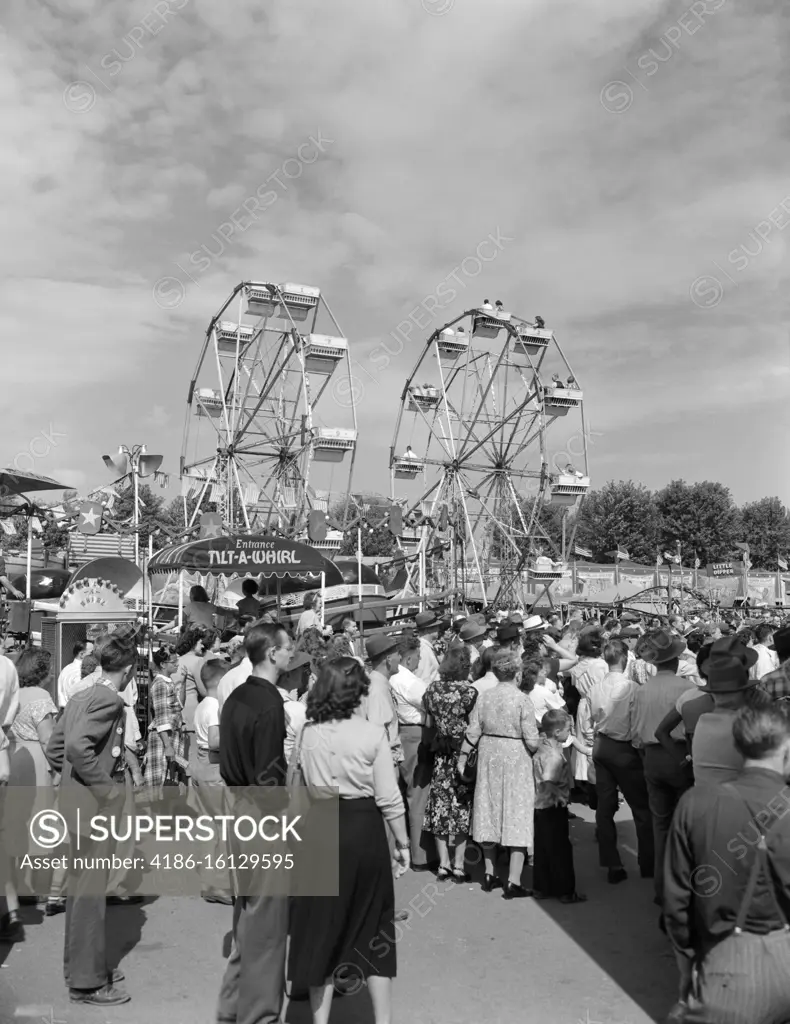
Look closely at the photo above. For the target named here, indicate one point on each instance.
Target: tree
(765, 526)
(153, 515)
(702, 516)
(375, 542)
(623, 513)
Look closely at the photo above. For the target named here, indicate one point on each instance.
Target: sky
(633, 153)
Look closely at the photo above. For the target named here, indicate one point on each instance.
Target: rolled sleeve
(385, 782)
(475, 728)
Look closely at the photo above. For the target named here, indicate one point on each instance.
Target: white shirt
(544, 699)
(408, 690)
(295, 718)
(206, 715)
(428, 668)
(486, 682)
(309, 619)
(611, 701)
(233, 678)
(67, 680)
(767, 661)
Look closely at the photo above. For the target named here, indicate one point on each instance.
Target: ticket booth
(86, 603)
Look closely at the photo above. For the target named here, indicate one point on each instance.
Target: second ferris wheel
(471, 441)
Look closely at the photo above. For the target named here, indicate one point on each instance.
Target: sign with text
(722, 569)
(227, 556)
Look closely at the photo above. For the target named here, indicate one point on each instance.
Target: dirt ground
(463, 956)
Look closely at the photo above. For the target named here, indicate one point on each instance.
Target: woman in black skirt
(353, 932)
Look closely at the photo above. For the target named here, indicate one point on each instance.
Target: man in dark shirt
(248, 609)
(729, 934)
(251, 737)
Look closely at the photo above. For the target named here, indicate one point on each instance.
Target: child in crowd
(553, 874)
(207, 784)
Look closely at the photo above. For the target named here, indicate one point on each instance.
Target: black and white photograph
(394, 529)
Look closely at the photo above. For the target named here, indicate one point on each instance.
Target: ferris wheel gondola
(471, 441)
(256, 442)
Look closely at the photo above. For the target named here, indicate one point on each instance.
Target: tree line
(702, 516)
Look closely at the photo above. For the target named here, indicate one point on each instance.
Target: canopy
(14, 482)
(243, 556)
(120, 571)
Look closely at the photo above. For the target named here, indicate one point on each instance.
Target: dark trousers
(552, 865)
(85, 946)
(668, 776)
(618, 766)
(415, 774)
(253, 987)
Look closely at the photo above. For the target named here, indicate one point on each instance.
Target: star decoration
(45, 581)
(90, 518)
(212, 530)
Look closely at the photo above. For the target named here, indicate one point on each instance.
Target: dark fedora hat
(732, 647)
(782, 642)
(379, 645)
(726, 673)
(508, 632)
(660, 646)
(472, 631)
(424, 619)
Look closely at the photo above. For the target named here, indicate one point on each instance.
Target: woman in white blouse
(338, 749)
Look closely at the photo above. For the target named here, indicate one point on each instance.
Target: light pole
(134, 462)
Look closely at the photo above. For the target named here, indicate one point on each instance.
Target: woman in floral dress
(166, 741)
(449, 702)
(503, 724)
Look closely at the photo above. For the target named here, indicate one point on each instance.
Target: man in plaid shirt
(777, 683)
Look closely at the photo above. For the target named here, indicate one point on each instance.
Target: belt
(499, 736)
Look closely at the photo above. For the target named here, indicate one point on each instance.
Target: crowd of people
(444, 734)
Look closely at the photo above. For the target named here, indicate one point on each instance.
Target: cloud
(437, 140)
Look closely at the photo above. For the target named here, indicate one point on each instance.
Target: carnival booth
(84, 604)
(279, 565)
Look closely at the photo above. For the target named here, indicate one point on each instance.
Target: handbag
(469, 773)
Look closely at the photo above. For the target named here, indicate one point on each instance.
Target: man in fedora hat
(509, 635)
(473, 634)
(713, 752)
(378, 705)
(426, 624)
(667, 773)
(728, 867)
(777, 683)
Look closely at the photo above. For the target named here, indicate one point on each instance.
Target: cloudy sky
(633, 152)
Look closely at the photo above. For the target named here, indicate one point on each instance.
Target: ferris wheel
(263, 441)
(471, 452)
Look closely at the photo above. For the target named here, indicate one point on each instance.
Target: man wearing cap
(668, 775)
(777, 683)
(727, 879)
(378, 705)
(428, 666)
